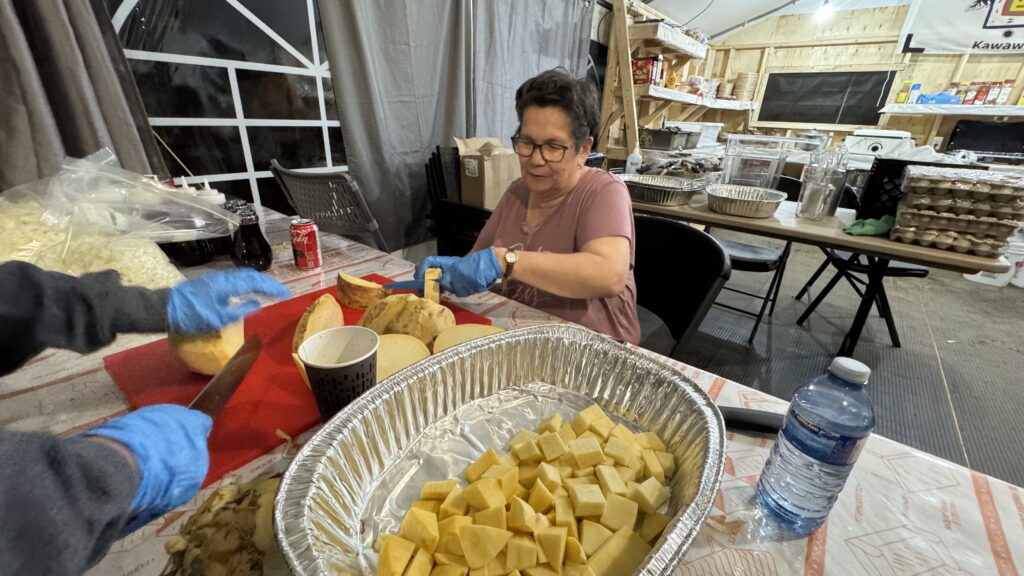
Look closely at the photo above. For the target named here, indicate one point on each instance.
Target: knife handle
(750, 420)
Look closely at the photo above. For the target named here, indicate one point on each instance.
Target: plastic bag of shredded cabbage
(94, 216)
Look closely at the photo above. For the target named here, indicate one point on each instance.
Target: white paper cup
(341, 364)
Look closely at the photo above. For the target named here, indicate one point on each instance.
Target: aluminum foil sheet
(357, 476)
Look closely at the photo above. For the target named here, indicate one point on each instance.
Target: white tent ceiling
(717, 16)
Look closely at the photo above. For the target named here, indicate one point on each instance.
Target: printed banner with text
(958, 26)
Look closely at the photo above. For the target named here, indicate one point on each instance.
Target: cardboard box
(487, 170)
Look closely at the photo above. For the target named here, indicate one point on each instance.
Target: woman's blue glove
(169, 445)
(203, 304)
(464, 276)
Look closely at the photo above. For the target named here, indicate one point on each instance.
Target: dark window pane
(286, 17)
(278, 96)
(212, 29)
(183, 90)
(292, 147)
(272, 196)
(203, 149)
(240, 189)
(337, 146)
(320, 34)
(329, 103)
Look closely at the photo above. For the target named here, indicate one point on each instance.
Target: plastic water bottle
(829, 420)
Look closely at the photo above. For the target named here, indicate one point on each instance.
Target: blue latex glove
(169, 445)
(464, 276)
(203, 304)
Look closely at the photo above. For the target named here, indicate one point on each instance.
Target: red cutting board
(273, 396)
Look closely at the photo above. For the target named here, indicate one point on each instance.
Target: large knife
(223, 385)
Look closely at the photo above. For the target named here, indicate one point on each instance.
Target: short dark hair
(577, 97)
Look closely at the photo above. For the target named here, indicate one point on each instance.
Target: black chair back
(791, 186)
(681, 298)
(332, 200)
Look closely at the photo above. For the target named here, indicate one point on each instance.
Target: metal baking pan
(662, 190)
(355, 478)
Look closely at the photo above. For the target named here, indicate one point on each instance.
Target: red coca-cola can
(306, 244)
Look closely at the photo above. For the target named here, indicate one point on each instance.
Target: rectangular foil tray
(357, 476)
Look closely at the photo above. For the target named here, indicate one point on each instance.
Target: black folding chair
(332, 200)
(678, 302)
(755, 258)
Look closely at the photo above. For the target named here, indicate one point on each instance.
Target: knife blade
(222, 386)
(406, 285)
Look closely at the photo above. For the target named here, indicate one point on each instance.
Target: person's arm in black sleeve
(63, 502)
(40, 309)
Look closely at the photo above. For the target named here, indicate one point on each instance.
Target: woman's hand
(464, 276)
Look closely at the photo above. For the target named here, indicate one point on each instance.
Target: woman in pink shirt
(561, 239)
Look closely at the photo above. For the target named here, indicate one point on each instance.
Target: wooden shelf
(659, 93)
(952, 110)
(660, 38)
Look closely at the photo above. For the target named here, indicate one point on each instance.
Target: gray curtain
(412, 74)
(514, 40)
(63, 92)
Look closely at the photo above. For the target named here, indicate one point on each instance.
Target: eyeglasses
(549, 151)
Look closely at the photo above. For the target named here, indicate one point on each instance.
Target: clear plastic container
(829, 420)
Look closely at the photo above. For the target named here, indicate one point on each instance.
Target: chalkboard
(825, 97)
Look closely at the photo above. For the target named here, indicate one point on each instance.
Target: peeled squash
(431, 287)
(357, 293)
(322, 314)
(208, 353)
(408, 314)
(398, 351)
(463, 333)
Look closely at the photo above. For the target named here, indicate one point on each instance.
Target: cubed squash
(592, 536)
(583, 472)
(650, 495)
(653, 466)
(667, 461)
(586, 452)
(421, 564)
(527, 451)
(551, 423)
(621, 554)
(563, 512)
(619, 512)
(619, 450)
(507, 475)
(602, 427)
(570, 482)
(549, 475)
(395, 554)
(587, 499)
(482, 544)
(520, 492)
(540, 497)
(450, 560)
(521, 553)
(432, 506)
(610, 481)
(493, 517)
(451, 525)
(440, 570)
(454, 504)
(574, 551)
(420, 528)
(527, 475)
(508, 460)
(551, 445)
(522, 517)
(476, 470)
(650, 441)
(522, 435)
(567, 433)
(552, 542)
(653, 525)
(438, 490)
(484, 493)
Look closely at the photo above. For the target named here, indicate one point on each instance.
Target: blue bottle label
(821, 444)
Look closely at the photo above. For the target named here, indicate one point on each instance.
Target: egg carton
(980, 226)
(980, 185)
(1001, 210)
(947, 240)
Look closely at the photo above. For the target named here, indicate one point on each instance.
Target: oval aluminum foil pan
(355, 478)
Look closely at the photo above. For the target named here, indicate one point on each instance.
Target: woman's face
(550, 125)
